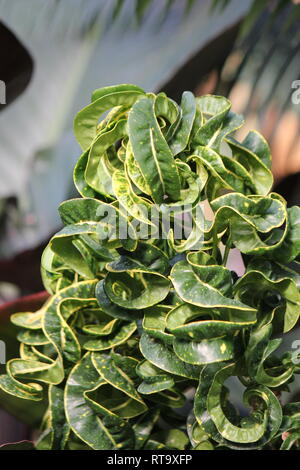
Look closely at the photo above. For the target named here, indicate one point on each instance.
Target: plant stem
(227, 250)
(215, 244)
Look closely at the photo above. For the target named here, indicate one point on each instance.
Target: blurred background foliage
(246, 50)
(78, 46)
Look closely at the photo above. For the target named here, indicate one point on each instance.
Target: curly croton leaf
(145, 323)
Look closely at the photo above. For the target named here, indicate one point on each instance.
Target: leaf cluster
(140, 334)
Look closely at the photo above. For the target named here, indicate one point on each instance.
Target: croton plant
(143, 327)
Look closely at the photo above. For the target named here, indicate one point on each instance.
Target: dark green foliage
(135, 324)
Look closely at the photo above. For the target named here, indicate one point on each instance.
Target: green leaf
(139, 291)
(229, 173)
(13, 387)
(275, 293)
(55, 324)
(209, 411)
(183, 131)
(146, 258)
(172, 439)
(84, 420)
(33, 337)
(52, 373)
(119, 380)
(96, 172)
(29, 320)
(118, 336)
(205, 445)
(134, 172)
(154, 323)
(290, 441)
(191, 286)
(56, 436)
(164, 358)
(259, 348)
(186, 321)
(137, 207)
(255, 156)
(85, 123)
(111, 308)
(215, 110)
(289, 249)
(152, 152)
(250, 218)
(206, 351)
(143, 427)
(104, 221)
(154, 380)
